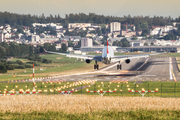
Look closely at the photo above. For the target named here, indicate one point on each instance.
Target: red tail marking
(107, 47)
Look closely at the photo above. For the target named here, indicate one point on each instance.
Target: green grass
(100, 115)
(48, 70)
(165, 89)
(58, 58)
(59, 65)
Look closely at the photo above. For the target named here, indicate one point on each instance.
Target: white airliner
(107, 57)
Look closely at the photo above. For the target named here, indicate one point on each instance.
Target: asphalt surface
(143, 69)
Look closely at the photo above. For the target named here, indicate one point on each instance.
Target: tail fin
(107, 47)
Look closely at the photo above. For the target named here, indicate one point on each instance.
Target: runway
(143, 69)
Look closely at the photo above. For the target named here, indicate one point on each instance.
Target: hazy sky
(105, 7)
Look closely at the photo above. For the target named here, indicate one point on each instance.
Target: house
(162, 30)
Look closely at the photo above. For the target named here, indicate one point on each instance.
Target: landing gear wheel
(96, 67)
(117, 67)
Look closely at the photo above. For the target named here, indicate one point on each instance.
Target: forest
(139, 21)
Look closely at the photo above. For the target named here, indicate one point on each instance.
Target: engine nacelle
(127, 61)
(88, 60)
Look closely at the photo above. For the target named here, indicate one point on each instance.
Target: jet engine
(87, 60)
(127, 61)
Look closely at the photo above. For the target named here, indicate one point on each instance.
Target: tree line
(139, 21)
(20, 50)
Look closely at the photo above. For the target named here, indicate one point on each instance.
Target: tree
(95, 43)
(145, 31)
(145, 44)
(152, 44)
(70, 44)
(3, 69)
(125, 42)
(19, 62)
(2, 52)
(134, 38)
(63, 48)
(170, 37)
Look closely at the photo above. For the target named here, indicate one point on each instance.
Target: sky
(101, 7)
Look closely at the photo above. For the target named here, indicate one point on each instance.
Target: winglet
(107, 47)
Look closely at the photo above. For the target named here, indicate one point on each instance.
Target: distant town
(88, 36)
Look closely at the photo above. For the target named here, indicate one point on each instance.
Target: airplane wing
(91, 57)
(124, 57)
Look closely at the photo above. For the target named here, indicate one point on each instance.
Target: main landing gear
(119, 67)
(96, 66)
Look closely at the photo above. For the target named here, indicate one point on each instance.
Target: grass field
(60, 65)
(88, 107)
(105, 115)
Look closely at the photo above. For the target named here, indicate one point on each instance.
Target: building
(86, 42)
(33, 38)
(115, 26)
(162, 30)
(78, 25)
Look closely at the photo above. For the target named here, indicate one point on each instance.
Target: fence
(121, 88)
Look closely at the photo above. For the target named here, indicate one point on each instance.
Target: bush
(3, 60)
(28, 66)
(19, 67)
(19, 62)
(10, 67)
(34, 57)
(11, 62)
(46, 61)
(3, 69)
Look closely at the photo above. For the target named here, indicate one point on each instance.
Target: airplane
(107, 57)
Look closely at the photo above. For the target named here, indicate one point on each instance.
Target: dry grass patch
(58, 58)
(84, 103)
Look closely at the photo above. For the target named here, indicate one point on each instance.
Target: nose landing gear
(119, 67)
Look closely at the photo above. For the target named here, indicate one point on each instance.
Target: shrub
(3, 60)
(19, 62)
(46, 61)
(2, 69)
(11, 62)
(10, 67)
(28, 66)
(19, 67)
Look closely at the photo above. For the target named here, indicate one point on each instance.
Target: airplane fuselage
(107, 54)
